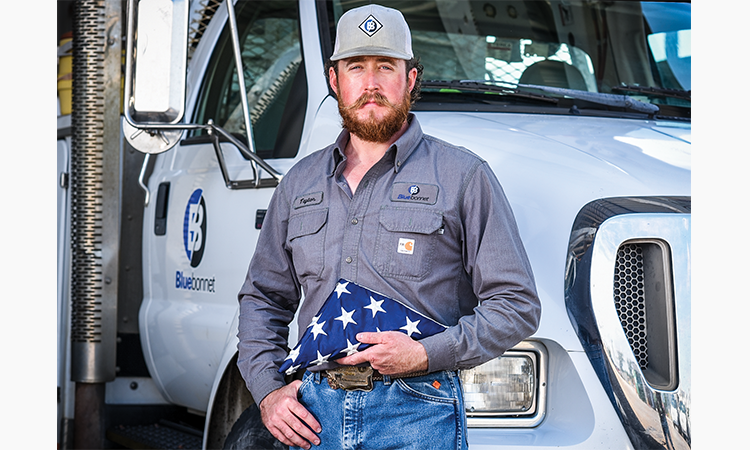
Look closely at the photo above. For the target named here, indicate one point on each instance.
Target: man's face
(373, 95)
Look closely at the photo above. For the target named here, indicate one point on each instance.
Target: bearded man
(405, 215)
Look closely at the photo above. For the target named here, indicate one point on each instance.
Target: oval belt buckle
(351, 378)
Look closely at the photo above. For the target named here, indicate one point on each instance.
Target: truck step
(164, 435)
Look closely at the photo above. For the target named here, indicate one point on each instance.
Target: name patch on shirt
(414, 193)
(314, 198)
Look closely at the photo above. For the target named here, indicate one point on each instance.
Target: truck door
(199, 232)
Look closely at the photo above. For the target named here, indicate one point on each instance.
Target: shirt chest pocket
(306, 238)
(406, 241)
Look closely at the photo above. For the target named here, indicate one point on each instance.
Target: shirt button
(355, 221)
(348, 260)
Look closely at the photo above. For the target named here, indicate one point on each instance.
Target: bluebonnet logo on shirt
(414, 193)
(351, 309)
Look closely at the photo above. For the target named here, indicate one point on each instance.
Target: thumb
(295, 385)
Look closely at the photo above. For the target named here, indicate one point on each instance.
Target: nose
(372, 82)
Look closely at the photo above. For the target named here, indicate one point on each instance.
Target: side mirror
(155, 70)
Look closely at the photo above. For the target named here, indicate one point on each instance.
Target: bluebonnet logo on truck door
(194, 228)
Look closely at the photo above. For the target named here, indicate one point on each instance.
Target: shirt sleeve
(502, 280)
(268, 300)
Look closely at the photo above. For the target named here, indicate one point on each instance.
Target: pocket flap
(411, 220)
(309, 222)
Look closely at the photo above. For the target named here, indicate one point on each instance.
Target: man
(403, 214)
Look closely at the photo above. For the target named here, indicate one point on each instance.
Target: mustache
(376, 97)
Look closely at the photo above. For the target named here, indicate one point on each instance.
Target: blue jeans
(424, 412)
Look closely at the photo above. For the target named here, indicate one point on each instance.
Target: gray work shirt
(429, 225)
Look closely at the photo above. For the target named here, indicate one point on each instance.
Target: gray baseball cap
(372, 30)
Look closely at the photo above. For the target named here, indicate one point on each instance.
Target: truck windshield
(636, 49)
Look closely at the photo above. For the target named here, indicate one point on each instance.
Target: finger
(287, 436)
(291, 431)
(371, 338)
(303, 414)
(353, 360)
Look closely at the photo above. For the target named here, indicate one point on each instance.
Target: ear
(412, 78)
(332, 79)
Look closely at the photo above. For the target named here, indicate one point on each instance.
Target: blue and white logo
(194, 228)
(370, 26)
(414, 189)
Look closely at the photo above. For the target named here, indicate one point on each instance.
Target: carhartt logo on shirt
(406, 246)
(314, 198)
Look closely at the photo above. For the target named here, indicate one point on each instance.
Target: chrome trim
(132, 15)
(537, 416)
(241, 84)
(142, 178)
(657, 418)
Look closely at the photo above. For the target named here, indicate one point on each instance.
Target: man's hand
(287, 419)
(394, 353)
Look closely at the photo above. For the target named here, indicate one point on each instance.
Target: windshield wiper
(663, 92)
(484, 87)
(505, 88)
(622, 101)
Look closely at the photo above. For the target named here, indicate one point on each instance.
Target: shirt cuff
(441, 353)
(264, 383)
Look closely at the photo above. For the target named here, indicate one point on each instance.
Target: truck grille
(644, 300)
(630, 299)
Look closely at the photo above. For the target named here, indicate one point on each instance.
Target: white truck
(581, 107)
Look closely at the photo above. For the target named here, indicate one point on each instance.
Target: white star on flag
(324, 341)
(293, 355)
(374, 306)
(410, 327)
(318, 329)
(350, 348)
(313, 321)
(341, 289)
(321, 359)
(292, 369)
(346, 317)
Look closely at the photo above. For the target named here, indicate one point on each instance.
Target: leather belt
(359, 378)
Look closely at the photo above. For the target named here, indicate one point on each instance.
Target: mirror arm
(212, 127)
(241, 78)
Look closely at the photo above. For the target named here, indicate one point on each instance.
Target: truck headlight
(509, 391)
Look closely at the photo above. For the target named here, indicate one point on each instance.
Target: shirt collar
(404, 146)
(408, 141)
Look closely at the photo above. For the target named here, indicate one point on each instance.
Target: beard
(371, 129)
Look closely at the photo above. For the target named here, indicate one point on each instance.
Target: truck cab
(581, 108)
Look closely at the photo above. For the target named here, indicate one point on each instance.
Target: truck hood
(551, 166)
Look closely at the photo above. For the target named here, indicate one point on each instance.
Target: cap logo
(370, 26)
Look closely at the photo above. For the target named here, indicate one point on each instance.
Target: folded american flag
(351, 309)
